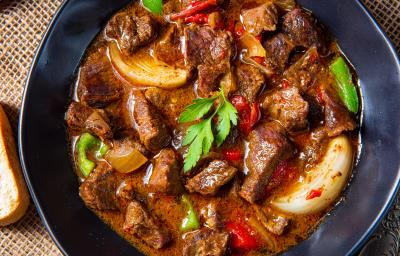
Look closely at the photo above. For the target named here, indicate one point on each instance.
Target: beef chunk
(208, 181)
(278, 50)
(314, 147)
(210, 51)
(303, 29)
(98, 191)
(206, 242)
(268, 145)
(260, 18)
(82, 118)
(210, 217)
(98, 86)
(170, 103)
(337, 118)
(304, 73)
(288, 107)
(276, 224)
(126, 144)
(250, 81)
(165, 177)
(132, 30)
(139, 222)
(168, 49)
(153, 132)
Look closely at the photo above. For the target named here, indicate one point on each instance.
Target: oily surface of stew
(214, 128)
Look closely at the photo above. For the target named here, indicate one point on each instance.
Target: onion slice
(144, 70)
(328, 177)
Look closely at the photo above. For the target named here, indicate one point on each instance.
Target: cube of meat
(153, 132)
(98, 86)
(268, 145)
(288, 107)
(303, 29)
(210, 51)
(209, 180)
(337, 118)
(139, 222)
(165, 177)
(98, 191)
(274, 223)
(278, 50)
(304, 73)
(132, 30)
(261, 18)
(250, 80)
(210, 217)
(206, 242)
(82, 118)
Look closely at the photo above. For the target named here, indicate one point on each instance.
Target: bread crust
(14, 196)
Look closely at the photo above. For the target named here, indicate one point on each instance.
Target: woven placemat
(22, 25)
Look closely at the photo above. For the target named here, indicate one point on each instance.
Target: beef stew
(214, 128)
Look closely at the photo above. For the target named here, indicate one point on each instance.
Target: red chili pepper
(259, 60)
(199, 18)
(314, 193)
(285, 84)
(232, 154)
(231, 27)
(240, 103)
(193, 8)
(248, 116)
(239, 30)
(241, 238)
(320, 96)
(283, 173)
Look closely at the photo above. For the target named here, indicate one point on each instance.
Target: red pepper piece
(248, 116)
(199, 18)
(240, 103)
(231, 27)
(241, 238)
(259, 60)
(259, 37)
(232, 154)
(285, 84)
(239, 30)
(193, 8)
(314, 193)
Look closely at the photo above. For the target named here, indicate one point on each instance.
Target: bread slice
(14, 197)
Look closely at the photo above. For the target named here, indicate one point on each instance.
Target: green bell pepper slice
(154, 6)
(344, 84)
(190, 222)
(86, 143)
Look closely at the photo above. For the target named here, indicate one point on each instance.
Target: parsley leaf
(226, 114)
(198, 109)
(200, 135)
(201, 138)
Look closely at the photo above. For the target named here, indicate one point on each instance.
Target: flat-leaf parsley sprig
(200, 136)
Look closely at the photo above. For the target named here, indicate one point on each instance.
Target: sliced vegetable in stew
(214, 127)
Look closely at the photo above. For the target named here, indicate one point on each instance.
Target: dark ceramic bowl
(54, 187)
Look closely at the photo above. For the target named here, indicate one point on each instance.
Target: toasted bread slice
(14, 197)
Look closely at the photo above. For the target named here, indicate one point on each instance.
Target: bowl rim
(357, 246)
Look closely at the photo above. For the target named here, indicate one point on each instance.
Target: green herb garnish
(200, 135)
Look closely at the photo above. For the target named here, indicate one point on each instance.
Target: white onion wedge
(144, 70)
(329, 176)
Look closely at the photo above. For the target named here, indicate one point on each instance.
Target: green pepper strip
(86, 143)
(344, 84)
(190, 222)
(154, 6)
(103, 148)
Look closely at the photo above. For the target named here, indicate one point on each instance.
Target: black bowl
(54, 187)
